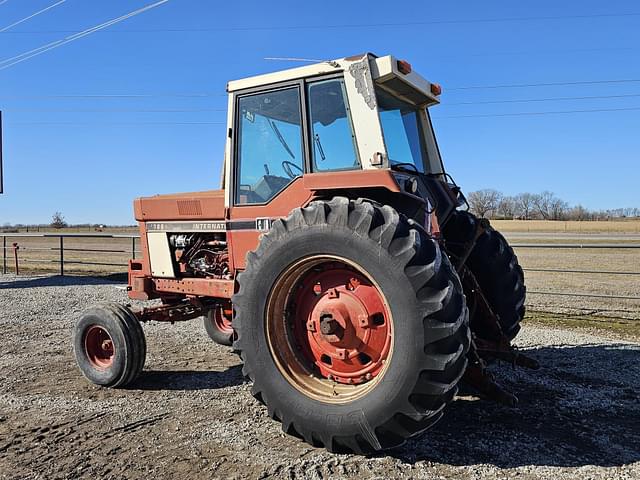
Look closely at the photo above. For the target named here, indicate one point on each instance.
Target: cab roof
(385, 71)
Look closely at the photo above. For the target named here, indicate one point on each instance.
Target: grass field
(631, 225)
(41, 255)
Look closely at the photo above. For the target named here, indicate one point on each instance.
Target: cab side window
(269, 145)
(332, 138)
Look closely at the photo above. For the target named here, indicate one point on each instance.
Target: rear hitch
(505, 352)
(478, 377)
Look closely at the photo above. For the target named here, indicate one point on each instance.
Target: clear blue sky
(89, 157)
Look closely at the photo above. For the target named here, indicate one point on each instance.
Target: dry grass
(41, 255)
(540, 226)
(599, 260)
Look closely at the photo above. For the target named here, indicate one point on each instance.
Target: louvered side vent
(189, 208)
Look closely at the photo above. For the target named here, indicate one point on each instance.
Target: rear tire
(423, 310)
(495, 266)
(109, 345)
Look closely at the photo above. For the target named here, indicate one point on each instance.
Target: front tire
(322, 292)
(218, 326)
(109, 345)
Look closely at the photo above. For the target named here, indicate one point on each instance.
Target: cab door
(280, 134)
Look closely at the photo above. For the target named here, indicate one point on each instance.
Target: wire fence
(21, 249)
(594, 272)
(21, 253)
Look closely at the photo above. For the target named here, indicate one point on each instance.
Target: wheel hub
(99, 347)
(330, 327)
(347, 332)
(222, 319)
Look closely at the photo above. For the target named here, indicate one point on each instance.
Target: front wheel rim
(221, 321)
(99, 348)
(329, 328)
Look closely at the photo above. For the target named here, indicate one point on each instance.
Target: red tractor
(337, 259)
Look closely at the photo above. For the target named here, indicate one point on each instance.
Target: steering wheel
(287, 165)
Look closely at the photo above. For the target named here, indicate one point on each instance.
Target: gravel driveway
(191, 415)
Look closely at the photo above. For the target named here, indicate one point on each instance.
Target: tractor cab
(341, 116)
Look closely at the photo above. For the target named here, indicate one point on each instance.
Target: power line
(514, 114)
(31, 16)
(589, 82)
(521, 114)
(50, 46)
(294, 59)
(117, 95)
(212, 94)
(551, 84)
(551, 99)
(493, 53)
(79, 124)
(115, 110)
(361, 25)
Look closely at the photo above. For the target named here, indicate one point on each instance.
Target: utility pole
(1, 177)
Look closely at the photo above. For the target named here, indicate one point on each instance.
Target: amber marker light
(404, 67)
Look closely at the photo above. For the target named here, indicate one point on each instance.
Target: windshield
(401, 129)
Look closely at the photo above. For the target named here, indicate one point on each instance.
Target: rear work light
(404, 67)
(436, 89)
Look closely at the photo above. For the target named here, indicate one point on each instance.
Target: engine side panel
(160, 255)
(181, 206)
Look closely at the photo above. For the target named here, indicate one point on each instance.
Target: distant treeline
(491, 203)
(85, 227)
(487, 203)
(58, 222)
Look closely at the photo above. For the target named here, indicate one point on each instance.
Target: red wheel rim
(329, 328)
(341, 323)
(99, 348)
(221, 321)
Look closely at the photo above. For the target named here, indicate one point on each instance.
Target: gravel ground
(190, 414)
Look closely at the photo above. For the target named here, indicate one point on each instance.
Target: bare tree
(558, 208)
(545, 205)
(578, 213)
(484, 202)
(524, 205)
(58, 221)
(507, 207)
(542, 204)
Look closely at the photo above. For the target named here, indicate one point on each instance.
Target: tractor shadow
(581, 408)
(63, 281)
(188, 380)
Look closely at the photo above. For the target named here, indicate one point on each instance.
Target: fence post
(133, 248)
(61, 256)
(15, 254)
(4, 256)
